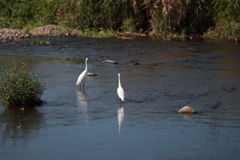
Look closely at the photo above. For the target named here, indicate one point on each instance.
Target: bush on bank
(161, 18)
(19, 88)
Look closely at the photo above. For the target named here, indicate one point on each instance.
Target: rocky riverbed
(8, 34)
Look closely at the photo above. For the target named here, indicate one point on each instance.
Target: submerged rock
(21, 109)
(187, 109)
(110, 61)
(134, 62)
(19, 127)
(91, 74)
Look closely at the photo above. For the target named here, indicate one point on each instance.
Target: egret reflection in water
(120, 113)
(82, 103)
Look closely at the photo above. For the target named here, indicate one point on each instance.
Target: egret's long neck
(119, 81)
(86, 65)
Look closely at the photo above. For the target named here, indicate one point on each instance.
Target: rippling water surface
(158, 77)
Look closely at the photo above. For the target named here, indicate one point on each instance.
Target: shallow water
(158, 77)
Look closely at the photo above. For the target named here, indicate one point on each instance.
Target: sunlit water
(159, 78)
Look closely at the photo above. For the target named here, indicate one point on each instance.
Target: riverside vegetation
(19, 88)
(219, 19)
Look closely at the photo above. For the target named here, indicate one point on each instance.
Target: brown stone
(187, 109)
(91, 74)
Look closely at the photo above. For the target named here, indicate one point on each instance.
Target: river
(158, 77)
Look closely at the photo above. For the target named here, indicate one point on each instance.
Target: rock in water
(91, 74)
(110, 61)
(187, 109)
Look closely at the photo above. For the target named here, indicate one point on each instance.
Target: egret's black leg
(83, 87)
(121, 103)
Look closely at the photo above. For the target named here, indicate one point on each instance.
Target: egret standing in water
(82, 77)
(120, 91)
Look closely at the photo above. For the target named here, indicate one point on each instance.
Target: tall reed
(163, 18)
(27, 14)
(226, 15)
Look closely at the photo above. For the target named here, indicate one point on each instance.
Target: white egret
(82, 77)
(120, 91)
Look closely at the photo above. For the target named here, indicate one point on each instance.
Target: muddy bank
(8, 34)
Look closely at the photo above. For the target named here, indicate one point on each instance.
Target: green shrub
(18, 88)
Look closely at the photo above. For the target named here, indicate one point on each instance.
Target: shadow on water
(158, 78)
(18, 126)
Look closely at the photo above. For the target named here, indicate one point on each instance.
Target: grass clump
(98, 33)
(40, 42)
(19, 88)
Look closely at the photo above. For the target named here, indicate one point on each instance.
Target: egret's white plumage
(83, 75)
(120, 90)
